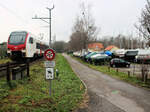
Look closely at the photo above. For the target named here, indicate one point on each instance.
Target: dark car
(116, 62)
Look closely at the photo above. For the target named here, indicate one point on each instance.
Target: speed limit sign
(49, 54)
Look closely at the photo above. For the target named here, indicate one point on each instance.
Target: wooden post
(117, 71)
(128, 74)
(133, 69)
(145, 78)
(109, 68)
(8, 74)
(23, 68)
(28, 74)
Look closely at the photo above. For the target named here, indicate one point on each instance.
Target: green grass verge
(119, 75)
(33, 95)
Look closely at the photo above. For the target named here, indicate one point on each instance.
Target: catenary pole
(43, 19)
(50, 9)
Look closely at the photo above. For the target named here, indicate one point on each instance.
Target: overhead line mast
(43, 19)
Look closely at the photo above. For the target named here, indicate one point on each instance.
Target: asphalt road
(107, 94)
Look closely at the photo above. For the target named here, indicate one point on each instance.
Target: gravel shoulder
(107, 94)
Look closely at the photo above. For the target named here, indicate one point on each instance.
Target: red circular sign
(49, 54)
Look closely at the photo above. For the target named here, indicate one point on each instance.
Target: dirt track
(107, 94)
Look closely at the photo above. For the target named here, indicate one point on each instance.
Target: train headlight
(23, 51)
(8, 51)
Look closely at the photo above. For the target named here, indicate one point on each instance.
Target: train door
(31, 47)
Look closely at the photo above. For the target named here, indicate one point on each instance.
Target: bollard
(57, 73)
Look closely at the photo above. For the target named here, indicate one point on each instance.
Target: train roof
(20, 31)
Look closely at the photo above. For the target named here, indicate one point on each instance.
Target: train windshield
(17, 38)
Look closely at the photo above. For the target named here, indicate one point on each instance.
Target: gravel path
(107, 94)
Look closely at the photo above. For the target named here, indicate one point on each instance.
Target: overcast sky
(112, 16)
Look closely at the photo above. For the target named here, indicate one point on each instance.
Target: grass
(118, 75)
(33, 95)
(5, 60)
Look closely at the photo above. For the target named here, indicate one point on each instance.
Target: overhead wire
(12, 12)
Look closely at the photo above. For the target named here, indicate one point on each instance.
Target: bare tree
(144, 22)
(122, 41)
(88, 21)
(75, 41)
(84, 30)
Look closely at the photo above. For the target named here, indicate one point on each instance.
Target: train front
(16, 45)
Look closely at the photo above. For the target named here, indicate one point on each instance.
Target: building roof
(109, 48)
(95, 45)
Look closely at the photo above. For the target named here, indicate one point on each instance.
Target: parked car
(88, 57)
(143, 56)
(130, 55)
(100, 59)
(117, 62)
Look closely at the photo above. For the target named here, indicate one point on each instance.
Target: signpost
(49, 54)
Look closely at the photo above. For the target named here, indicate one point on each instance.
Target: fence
(14, 71)
(141, 71)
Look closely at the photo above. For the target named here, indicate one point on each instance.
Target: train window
(31, 40)
(17, 38)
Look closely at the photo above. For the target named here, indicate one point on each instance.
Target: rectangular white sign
(49, 73)
(49, 64)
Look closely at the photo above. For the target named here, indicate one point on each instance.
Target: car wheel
(114, 66)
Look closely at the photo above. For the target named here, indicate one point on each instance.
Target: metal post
(50, 29)
(43, 19)
(50, 46)
(50, 41)
(50, 9)
(50, 89)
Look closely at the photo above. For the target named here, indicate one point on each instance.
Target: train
(24, 45)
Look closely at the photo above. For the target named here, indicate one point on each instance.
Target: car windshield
(129, 53)
(17, 38)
